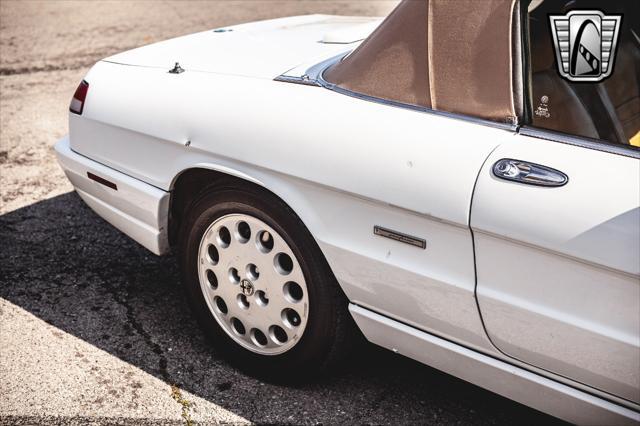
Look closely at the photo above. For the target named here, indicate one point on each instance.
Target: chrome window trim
(525, 130)
(310, 77)
(582, 142)
(333, 87)
(297, 80)
(314, 77)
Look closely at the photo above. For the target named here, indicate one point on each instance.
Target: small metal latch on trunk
(177, 69)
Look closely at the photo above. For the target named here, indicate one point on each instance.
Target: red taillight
(77, 102)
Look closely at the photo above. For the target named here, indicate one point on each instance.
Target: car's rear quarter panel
(342, 164)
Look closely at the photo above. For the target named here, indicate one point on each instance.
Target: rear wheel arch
(192, 182)
(196, 188)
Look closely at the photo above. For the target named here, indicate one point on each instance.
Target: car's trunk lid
(262, 49)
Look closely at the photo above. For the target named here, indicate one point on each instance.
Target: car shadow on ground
(65, 265)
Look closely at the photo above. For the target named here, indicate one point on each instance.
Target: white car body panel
(191, 107)
(155, 151)
(136, 208)
(265, 49)
(505, 379)
(345, 165)
(584, 238)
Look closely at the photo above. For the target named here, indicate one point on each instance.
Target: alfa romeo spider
(458, 183)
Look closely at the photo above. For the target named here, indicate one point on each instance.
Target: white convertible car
(460, 183)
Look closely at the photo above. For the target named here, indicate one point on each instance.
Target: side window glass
(585, 81)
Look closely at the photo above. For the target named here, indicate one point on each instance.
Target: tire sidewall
(318, 334)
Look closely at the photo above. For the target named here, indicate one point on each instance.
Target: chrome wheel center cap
(247, 287)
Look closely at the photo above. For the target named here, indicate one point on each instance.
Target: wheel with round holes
(260, 287)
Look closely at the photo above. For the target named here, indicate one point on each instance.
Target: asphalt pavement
(93, 328)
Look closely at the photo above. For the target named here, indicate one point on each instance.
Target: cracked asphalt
(93, 328)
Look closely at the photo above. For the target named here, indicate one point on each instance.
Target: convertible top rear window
(453, 56)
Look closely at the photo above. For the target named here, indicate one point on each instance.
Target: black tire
(330, 333)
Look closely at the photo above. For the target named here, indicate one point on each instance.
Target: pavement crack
(133, 322)
(176, 394)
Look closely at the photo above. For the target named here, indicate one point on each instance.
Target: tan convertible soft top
(449, 55)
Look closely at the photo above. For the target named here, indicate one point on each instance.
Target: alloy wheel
(253, 284)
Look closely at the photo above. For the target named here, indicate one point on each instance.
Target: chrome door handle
(528, 173)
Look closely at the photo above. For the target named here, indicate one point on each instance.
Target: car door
(421, 122)
(558, 267)
(556, 224)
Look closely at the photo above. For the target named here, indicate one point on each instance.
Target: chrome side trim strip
(580, 141)
(400, 237)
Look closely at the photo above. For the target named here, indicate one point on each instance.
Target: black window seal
(580, 141)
